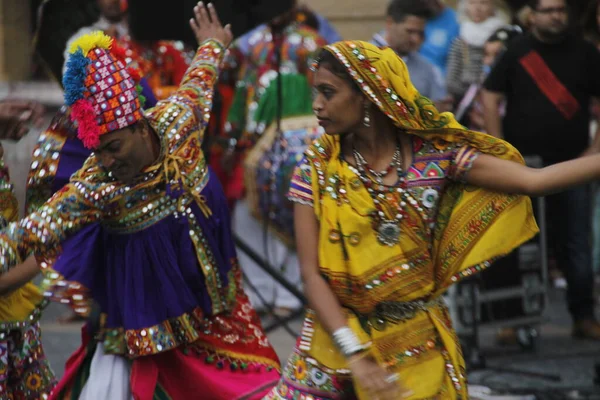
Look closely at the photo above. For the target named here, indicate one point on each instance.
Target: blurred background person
(465, 60)
(471, 104)
(440, 31)
(405, 32)
(546, 99)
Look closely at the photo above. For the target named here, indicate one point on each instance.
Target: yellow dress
(391, 293)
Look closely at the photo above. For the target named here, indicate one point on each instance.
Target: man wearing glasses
(548, 78)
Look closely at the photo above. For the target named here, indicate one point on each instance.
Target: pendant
(388, 233)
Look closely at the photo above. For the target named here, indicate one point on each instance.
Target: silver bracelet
(347, 341)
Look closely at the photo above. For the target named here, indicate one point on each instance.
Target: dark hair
(398, 10)
(325, 59)
(533, 4)
(589, 22)
(307, 17)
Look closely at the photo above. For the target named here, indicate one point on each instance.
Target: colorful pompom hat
(104, 94)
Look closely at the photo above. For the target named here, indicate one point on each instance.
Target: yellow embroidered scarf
(460, 247)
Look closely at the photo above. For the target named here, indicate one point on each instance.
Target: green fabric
(237, 111)
(84, 372)
(296, 95)
(160, 393)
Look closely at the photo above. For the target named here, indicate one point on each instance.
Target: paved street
(556, 354)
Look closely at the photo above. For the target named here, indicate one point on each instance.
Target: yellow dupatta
(473, 227)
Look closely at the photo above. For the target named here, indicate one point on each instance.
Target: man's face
(125, 152)
(406, 36)
(111, 10)
(550, 19)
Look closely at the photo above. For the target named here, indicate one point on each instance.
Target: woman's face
(338, 106)
(479, 10)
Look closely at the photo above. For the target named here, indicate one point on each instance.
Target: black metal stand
(271, 271)
(476, 360)
(264, 263)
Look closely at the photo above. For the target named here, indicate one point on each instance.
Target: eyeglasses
(551, 10)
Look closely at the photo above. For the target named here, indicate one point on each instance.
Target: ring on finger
(391, 378)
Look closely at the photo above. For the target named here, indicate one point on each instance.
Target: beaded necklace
(388, 229)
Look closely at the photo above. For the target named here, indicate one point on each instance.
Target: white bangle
(347, 341)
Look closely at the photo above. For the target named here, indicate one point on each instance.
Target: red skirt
(176, 374)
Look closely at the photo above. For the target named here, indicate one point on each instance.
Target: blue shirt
(440, 32)
(424, 76)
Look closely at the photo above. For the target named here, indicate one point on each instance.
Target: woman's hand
(206, 25)
(375, 380)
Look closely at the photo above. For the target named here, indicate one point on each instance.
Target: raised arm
(506, 176)
(197, 85)
(42, 232)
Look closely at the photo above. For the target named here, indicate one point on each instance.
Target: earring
(367, 117)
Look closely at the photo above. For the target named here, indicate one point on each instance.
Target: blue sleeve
(438, 85)
(242, 43)
(148, 94)
(327, 31)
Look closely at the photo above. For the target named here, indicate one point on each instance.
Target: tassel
(88, 130)
(74, 78)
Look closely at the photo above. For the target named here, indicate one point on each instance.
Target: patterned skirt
(24, 370)
(305, 378)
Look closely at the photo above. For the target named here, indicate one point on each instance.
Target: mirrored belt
(395, 312)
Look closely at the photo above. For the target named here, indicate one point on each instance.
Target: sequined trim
(308, 329)
(9, 207)
(44, 164)
(138, 342)
(236, 361)
(398, 312)
(56, 288)
(301, 184)
(305, 378)
(220, 300)
(162, 337)
(388, 101)
(33, 318)
(471, 271)
(457, 377)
